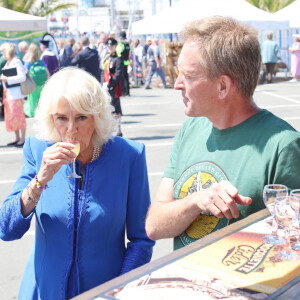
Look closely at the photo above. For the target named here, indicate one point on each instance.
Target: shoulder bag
(28, 86)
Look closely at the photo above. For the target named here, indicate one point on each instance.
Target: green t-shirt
(261, 150)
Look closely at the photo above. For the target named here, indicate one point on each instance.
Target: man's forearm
(169, 219)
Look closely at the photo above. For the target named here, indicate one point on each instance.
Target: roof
(11, 20)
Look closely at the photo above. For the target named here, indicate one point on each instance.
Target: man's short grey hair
(227, 47)
(23, 45)
(84, 94)
(85, 41)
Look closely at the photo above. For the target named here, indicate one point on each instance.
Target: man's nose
(178, 85)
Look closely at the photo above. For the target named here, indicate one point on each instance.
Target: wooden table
(289, 291)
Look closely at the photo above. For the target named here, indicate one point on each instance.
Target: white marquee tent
(15, 21)
(172, 19)
(290, 13)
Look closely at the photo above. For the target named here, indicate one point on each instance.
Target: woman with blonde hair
(12, 75)
(80, 222)
(38, 71)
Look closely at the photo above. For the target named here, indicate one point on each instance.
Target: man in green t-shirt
(229, 148)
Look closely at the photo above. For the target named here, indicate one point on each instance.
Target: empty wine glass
(295, 204)
(76, 150)
(270, 192)
(285, 216)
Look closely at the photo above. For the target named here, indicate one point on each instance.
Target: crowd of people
(14, 71)
(222, 157)
(115, 64)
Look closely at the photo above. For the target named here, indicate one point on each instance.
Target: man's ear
(224, 86)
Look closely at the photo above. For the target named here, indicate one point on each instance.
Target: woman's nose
(72, 127)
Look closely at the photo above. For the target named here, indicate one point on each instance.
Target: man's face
(111, 49)
(103, 38)
(22, 49)
(199, 93)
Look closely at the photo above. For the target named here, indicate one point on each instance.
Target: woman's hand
(3, 78)
(53, 158)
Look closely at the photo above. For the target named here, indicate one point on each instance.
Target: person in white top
(12, 75)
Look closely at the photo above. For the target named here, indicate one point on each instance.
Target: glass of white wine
(285, 217)
(76, 150)
(270, 193)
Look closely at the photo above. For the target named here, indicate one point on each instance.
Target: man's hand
(168, 217)
(221, 200)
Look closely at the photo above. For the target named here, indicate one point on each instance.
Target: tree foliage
(271, 5)
(34, 7)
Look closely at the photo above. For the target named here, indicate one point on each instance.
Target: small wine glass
(270, 192)
(76, 150)
(285, 217)
(295, 204)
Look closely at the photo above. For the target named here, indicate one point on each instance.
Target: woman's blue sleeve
(12, 223)
(139, 247)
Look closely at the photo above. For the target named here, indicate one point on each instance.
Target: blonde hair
(10, 49)
(3, 46)
(227, 47)
(33, 53)
(85, 94)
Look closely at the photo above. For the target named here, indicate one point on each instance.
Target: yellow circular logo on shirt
(197, 177)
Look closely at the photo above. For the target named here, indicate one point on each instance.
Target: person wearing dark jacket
(113, 70)
(87, 59)
(123, 49)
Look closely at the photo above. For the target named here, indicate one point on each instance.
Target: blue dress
(80, 233)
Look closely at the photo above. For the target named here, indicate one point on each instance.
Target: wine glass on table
(285, 217)
(76, 150)
(295, 204)
(270, 193)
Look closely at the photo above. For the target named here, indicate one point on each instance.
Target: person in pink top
(295, 59)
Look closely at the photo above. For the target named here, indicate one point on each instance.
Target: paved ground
(152, 117)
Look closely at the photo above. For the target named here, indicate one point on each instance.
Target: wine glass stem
(274, 227)
(287, 237)
(73, 167)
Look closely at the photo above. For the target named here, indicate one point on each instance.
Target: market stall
(18, 26)
(172, 19)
